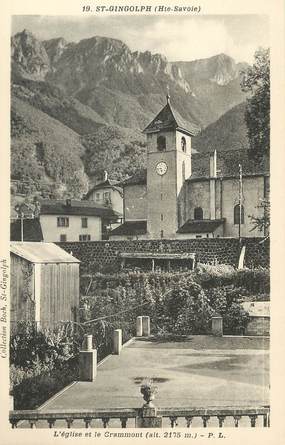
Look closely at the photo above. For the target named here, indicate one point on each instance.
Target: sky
(177, 37)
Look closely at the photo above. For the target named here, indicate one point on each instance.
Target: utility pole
(22, 226)
(240, 202)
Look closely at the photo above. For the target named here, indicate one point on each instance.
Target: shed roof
(41, 252)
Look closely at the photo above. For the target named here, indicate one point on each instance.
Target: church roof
(200, 226)
(138, 178)
(170, 119)
(131, 228)
(228, 164)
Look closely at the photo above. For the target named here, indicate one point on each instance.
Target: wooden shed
(44, 284)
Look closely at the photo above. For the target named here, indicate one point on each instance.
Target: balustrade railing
(172, 417)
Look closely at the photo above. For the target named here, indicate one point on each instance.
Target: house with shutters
(185, 194)
(74, 220)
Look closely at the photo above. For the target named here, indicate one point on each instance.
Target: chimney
(212, 185)
(105, 176)
(213, 164)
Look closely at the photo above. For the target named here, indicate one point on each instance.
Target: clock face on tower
(161, 168)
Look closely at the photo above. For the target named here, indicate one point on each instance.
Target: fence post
(117, 341)
(139, 327)
(147, 415)
(217, 326)
(87, 361)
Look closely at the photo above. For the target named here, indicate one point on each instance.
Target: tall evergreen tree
(256, 81)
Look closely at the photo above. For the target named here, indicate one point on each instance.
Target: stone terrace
(202, 371)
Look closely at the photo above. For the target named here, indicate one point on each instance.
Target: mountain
(126, 88)
(84, 104)
(227, 133)
(216, 82)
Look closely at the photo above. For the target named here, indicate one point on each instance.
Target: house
(108, 193)
(45, 285)
(74, 220)
(182, 194)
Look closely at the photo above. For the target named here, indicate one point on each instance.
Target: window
(97, 197)
(161, 217)
(62, 238)
(161, 143)
(107, 197)
(237, 212)
(62, 221)
(84, 222)
(84, 237)
(183, 144)
(161, 234)
(198, 236)
(198, 213)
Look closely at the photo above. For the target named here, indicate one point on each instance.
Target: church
(184, 194)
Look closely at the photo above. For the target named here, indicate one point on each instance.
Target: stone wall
(208, 250)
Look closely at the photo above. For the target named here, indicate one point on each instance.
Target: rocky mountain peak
(30, 55)
(55, 48)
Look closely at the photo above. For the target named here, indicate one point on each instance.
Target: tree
(262, 223)
(77, 185)
(256, 81)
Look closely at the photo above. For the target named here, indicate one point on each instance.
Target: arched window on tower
(198, 213)
(183, 144)
(161, 143)
(238, 212)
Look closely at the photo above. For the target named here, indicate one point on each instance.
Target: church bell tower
(168, 166)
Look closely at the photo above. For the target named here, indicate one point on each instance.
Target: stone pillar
(147, 415)
(145, 326)
(87, 361)
(117, 341)
(87, 343)
(139, 327)
(217, 326)
(148, 418)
